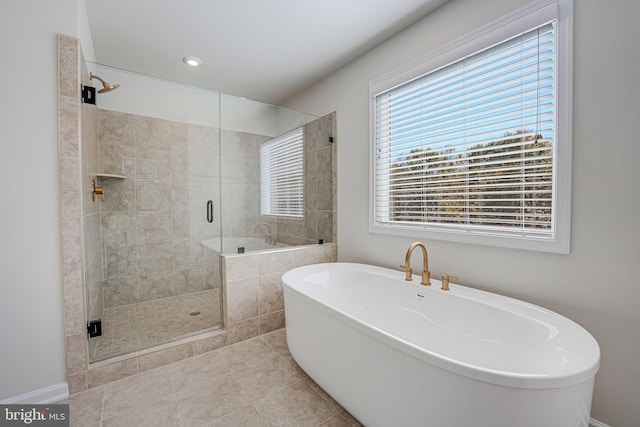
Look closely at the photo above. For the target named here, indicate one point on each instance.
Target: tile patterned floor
(138, 326)
(251, 383)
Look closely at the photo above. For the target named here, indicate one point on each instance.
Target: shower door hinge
(94, 328)
(89, 95)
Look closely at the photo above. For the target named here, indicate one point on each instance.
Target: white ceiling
(266, 50)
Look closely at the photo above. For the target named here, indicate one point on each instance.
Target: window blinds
(282, 175)
(470, 146)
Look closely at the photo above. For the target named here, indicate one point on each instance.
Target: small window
(469, 150)
(282, 175)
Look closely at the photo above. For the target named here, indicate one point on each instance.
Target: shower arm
(93, 76)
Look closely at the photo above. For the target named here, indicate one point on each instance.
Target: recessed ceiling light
(192, 61)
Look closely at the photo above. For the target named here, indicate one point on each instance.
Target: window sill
(559, 245)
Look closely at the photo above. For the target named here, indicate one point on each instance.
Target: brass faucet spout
(426, 275)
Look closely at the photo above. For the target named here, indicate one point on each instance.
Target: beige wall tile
(189, 281)
(152, 133)
(309, 255)
(240, 267)
(164, 357)
(155, 257)
(209, 344)
(119, 195)
(276, 262)
(153, 195)
(120, 291)
(121, 260)
(242, 299)
(272, 321)
(74, 318)
(270, 295)
(70, 187)
(242, 331)
(77, 382)
(69, 83)
(68, 122)
(153, 226)
(105, 374)
(151, 286)
(330, 253)
(246, 353)
(76, 353)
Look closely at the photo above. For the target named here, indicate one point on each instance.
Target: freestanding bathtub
(395, 353)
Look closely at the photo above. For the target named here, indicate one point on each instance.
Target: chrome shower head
(106, 87)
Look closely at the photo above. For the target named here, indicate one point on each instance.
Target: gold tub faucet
(426, 275)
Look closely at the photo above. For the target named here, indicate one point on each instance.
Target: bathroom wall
(154, 218)
(596, 284)
(31, 315)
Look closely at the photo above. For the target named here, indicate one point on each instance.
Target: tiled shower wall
(241, 182)
(319, 171)
(154, 219)
(240, 168)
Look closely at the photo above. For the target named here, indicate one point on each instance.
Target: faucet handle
(409, 271)
(445, 281)
(95, 190)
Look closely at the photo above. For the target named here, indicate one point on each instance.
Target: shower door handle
(209, 211)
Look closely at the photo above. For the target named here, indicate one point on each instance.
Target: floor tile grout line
(249, 399)
(252, 401)
(138, 375)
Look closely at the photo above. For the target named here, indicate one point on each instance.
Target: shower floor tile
(138, 326)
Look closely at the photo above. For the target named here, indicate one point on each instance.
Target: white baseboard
(596, 423)
(51, 394)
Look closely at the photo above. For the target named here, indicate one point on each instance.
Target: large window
(469, 150)
(282, 175)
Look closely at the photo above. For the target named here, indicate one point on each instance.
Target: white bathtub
(395, 353)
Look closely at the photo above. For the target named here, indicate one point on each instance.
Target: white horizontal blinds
(282, 175)
(470, 146)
